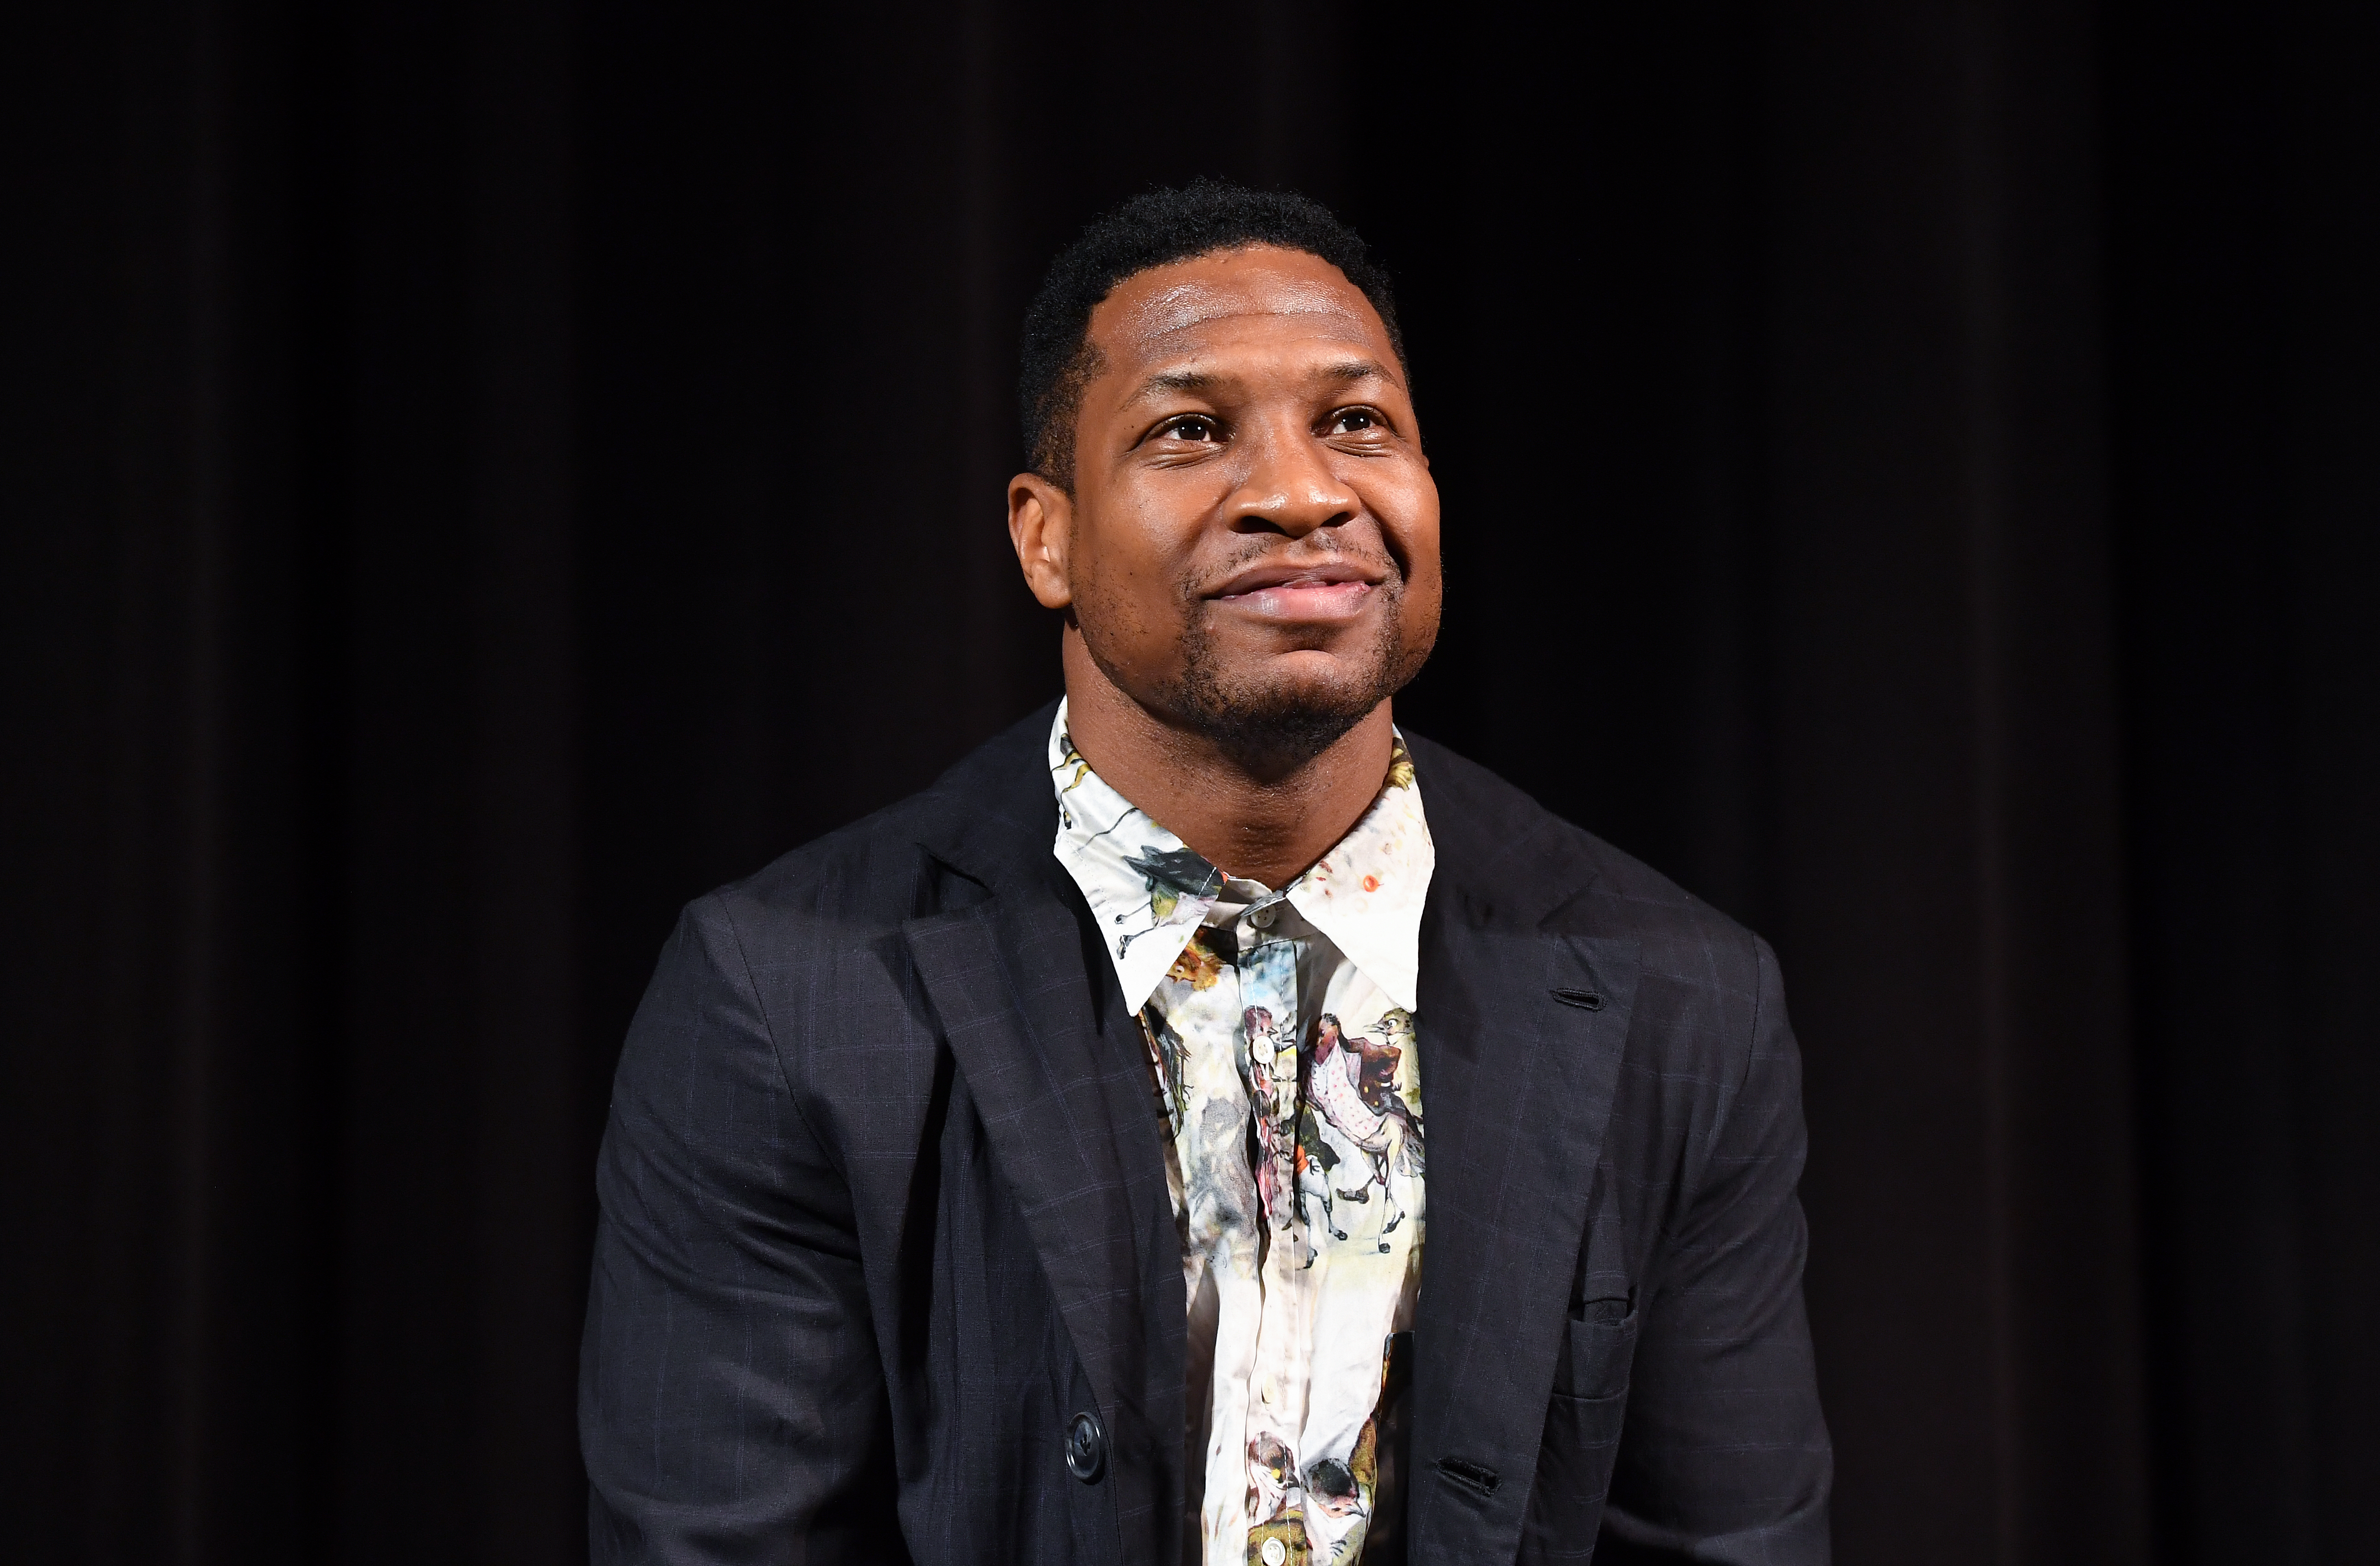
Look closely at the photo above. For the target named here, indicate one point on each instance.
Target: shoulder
(935, 852)
(817, 934)
(1518, 864)
(871, 874)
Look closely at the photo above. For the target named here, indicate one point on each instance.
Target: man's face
(1251, 547)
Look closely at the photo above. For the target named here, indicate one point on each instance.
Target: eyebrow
(1180, 381)
(1346, 372)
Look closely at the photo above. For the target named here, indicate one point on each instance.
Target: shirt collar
(1149, 890)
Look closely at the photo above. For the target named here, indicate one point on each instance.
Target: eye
(1355, 421)
(1190, 427)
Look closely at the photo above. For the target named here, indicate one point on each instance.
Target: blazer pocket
(1597, 1352)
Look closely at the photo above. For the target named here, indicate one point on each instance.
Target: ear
(1041, 526)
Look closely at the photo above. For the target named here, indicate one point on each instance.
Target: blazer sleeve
(1724, 1455)
(731, 1402)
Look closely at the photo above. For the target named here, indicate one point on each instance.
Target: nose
(1291, 487)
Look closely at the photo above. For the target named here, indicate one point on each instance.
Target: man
(1209, 1124)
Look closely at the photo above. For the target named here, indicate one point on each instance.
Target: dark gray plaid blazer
(883, 1210)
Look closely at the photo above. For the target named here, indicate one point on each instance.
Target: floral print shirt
(1281, 1034)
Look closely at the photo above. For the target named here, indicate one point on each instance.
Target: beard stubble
(1273, 722)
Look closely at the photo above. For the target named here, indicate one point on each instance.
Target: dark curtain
(477, 476)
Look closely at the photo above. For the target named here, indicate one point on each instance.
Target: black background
(477, 476)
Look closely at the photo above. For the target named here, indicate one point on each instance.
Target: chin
(1275, 710)
(1282, 711)
(1353, 692)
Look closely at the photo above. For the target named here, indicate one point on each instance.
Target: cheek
(1129, 581)
(1408, 514)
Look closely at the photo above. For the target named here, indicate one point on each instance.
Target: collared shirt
(1281, 1031)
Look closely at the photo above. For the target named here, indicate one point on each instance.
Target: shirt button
(1275, 1552)
(1262, 917)
(1087, 1448)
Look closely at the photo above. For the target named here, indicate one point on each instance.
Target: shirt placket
(1267, 974)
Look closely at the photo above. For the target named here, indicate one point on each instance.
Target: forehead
(1254, 295)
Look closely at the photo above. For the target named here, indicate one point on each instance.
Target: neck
(1251, 821)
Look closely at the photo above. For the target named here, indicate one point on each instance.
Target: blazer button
(1087, 1449)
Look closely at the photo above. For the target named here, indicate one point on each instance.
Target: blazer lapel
(1007, 979)
(1516, 1089)
(1073, 1131)
(1067, 1108)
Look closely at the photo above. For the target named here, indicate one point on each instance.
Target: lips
(1301, 592)
(1269, 575)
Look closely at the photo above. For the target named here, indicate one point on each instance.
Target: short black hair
(1155, 229)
